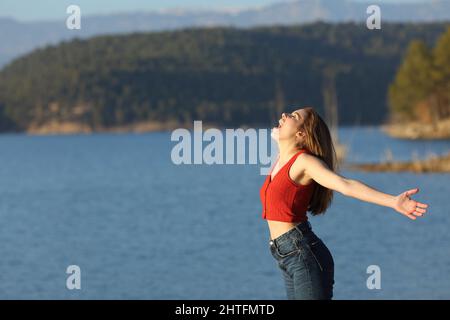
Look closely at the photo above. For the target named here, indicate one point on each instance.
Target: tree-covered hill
(226, 76)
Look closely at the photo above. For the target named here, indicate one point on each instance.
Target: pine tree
(441, 75)
(413, 83)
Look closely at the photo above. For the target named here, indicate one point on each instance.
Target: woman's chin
(274, 133)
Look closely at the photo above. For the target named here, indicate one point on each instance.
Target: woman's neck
(286, 150)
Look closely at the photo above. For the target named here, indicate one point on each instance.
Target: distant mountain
(17, 38)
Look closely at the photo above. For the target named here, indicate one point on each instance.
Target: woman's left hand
(409, 207)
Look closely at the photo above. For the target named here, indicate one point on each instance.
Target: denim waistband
(300, 229)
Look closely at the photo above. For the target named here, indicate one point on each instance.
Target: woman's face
(289, 125)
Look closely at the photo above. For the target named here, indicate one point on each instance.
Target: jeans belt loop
(307, 225)
(299, 230)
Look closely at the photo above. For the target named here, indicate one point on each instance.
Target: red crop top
(282, 198)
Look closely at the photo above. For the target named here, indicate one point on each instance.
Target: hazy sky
(26, 10)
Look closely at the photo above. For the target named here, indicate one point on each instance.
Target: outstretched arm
(319, 172)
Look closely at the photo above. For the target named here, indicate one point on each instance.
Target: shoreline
(74, 128)
(411, 131)
(417, 130)
(434, 163)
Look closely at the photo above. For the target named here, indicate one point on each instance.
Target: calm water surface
(141, 227)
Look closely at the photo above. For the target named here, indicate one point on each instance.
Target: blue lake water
(140, 227)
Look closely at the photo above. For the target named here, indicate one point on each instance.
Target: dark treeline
(226, 76)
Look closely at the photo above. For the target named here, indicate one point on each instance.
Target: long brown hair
(318, 141)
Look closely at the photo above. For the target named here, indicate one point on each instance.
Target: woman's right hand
(409, 207)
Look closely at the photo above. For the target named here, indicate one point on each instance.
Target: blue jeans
(306, 264)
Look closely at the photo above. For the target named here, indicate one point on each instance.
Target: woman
(302, 180)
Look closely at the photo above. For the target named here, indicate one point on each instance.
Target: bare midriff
(277, 228)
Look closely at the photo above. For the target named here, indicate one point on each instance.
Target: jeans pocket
(283, 254)
(287, 249)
